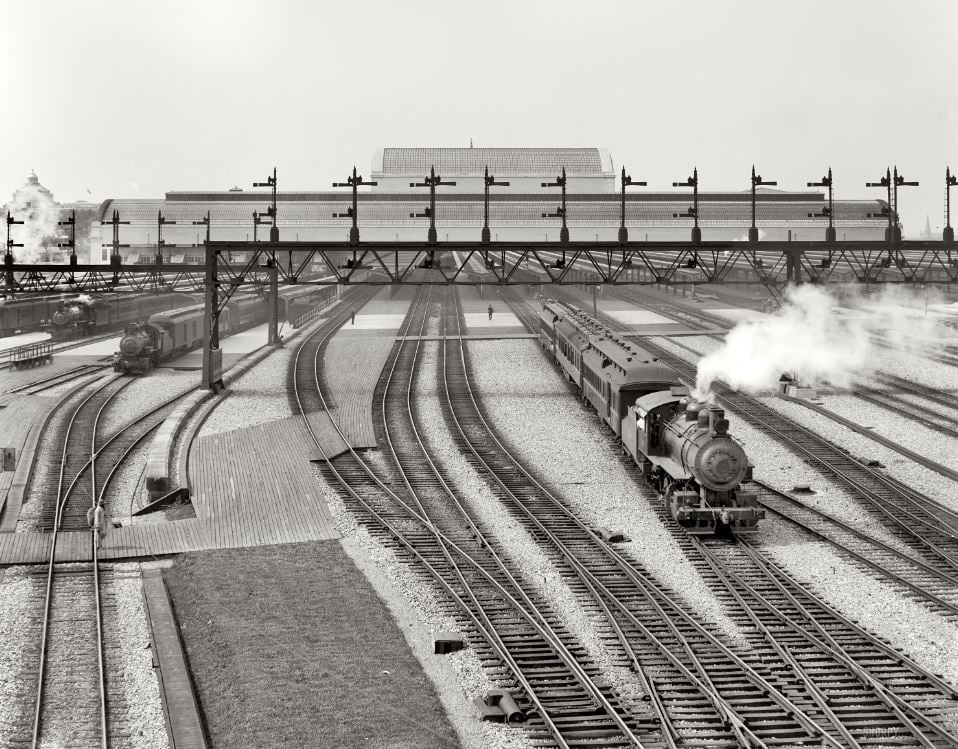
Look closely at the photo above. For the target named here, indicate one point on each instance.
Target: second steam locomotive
(166, 334)
(683, 446)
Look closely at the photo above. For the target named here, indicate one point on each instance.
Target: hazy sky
(132, 99)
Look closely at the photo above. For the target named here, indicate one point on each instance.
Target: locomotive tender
(682, 446)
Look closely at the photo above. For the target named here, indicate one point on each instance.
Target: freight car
(89, 315)
(683, 447)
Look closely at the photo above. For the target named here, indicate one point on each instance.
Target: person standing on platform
(491, 310)
(353, 320)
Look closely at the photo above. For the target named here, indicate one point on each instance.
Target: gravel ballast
(256, 397)
(931, 640)
(459, 677)
(524, 550)
(564, 443)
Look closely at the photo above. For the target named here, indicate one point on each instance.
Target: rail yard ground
(329, 643)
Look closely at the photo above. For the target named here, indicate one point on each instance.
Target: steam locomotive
(29, 313)
(86, 315)
(683, 447)
(166, 334)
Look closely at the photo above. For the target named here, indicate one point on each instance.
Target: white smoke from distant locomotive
(817, 340)
(804, 338)
(39, 231)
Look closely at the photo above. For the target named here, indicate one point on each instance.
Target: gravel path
(257, 396)
(564, 443)
(131, 654)
(143, 394)
(21, 593)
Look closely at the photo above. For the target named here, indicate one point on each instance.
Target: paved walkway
(355, 358)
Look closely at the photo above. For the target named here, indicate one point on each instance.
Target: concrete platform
(10, 342)
(738, 314)
(639, 317)
(21, 421)
(355, 358)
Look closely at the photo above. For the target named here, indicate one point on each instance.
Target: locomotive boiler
(689, 457)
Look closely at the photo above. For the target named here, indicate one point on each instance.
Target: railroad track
(877, 694)
(79, 441)
(48, 383)
(918, 580)
(562, 700)
(860, 691)
(700, 689)
(928, 526)
(71, 691)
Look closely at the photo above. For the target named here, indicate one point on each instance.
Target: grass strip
(290, 646)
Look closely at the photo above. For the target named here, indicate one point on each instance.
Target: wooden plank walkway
(183, 722)
(251, 487)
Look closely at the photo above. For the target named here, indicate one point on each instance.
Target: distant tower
(926, 234)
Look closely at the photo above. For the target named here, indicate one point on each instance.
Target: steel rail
(666, 607)
(48, 599)
(932, 598)
(543, 628)
(817, 636)
(400, 536)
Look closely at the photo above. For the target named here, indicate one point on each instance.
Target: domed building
(45, 232)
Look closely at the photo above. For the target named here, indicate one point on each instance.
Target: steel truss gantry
(772, 263)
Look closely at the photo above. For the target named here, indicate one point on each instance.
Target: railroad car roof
(176, 315)
(620, 350)
(659, 398)
(572, 333)
(634, 373)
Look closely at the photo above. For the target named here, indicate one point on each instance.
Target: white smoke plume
(817, 340)
(39, 232)
(804, 338)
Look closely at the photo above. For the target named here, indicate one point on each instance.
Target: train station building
(525, 210)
